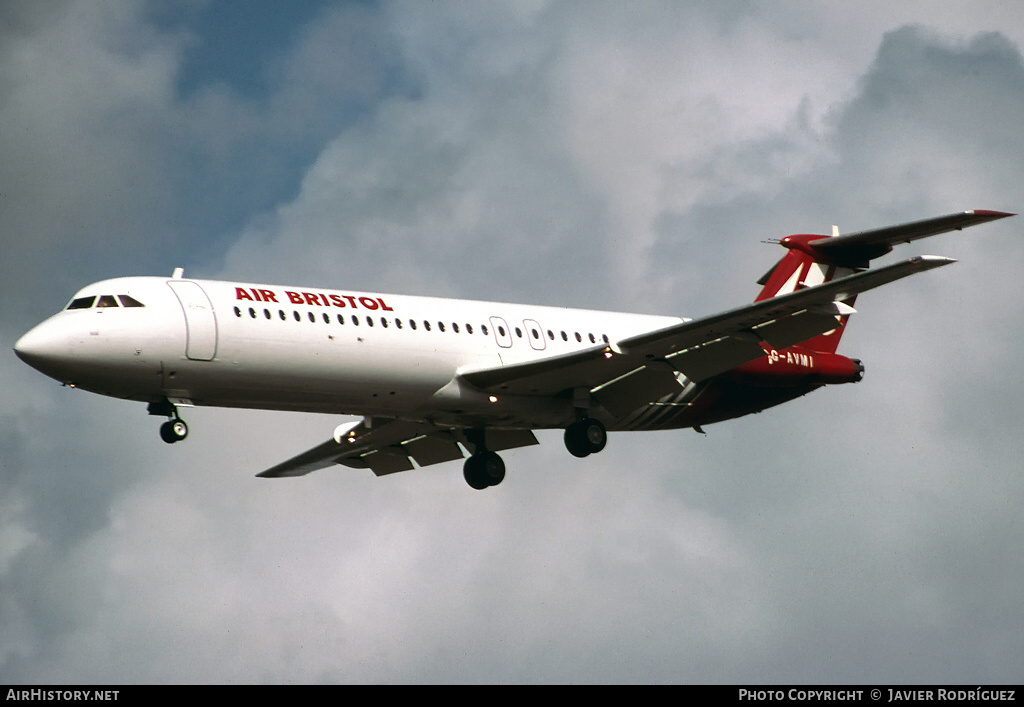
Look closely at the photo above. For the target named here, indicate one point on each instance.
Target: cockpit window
(129, 301)
(104, 301)
(81, 303)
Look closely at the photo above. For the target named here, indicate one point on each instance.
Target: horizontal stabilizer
(855, 249)
(766, 312)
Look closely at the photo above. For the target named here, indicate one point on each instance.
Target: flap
(388, 446)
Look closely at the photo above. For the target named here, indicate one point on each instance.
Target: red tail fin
(801, 267)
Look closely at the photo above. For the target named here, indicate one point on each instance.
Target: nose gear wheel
(173, 431)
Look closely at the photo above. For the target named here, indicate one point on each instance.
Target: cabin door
(200, 321)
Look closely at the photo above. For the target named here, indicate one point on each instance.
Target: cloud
(79, 103)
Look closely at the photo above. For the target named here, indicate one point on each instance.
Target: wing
(699, 348)
(386, 446)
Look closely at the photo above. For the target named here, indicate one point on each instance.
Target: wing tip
(929, 262)
(273, 474)
(989, 214)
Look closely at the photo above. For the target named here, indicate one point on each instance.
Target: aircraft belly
(132, 381)
(713, 401)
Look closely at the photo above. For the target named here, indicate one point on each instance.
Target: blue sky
(236, 42)
(628, 156)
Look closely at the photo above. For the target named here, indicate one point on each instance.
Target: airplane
(432, 377)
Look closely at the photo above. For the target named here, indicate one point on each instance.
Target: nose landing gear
(175, 429)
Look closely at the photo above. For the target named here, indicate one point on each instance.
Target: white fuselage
(288, 348)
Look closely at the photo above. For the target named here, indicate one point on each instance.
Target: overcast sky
(622, 155)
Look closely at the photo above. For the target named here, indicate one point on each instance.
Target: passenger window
(426, 325)
(107, 301)
(312, 318)
(412, 324)
(238, 312)
(483, 329)
(267, 314)
(398, 323)
(297, 317)
(455, 327)
(252, 312)
(440, 326)
(592, 339)
(129, 301)
(327, 318)
(469, 328)
(369, 321)
(578, 337)
(519, 332)
(341, 319)
(384, 322)
(565, 337)
(282, 315)
(355, 320)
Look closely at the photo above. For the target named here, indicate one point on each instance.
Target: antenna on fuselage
(178, 273)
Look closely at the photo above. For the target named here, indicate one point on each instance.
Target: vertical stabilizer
(801, 267)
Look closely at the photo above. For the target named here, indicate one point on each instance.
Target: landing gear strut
(585, 437)
(175, 429)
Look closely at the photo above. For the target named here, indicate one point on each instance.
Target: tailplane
(814, 259)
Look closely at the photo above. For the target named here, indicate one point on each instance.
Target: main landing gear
(484, 469)
(175, 429)
(585, 437)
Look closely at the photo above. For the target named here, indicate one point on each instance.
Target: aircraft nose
(43, 347)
